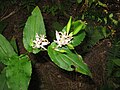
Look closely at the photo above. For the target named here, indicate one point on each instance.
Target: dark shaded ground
(49, 77)
(46, 75)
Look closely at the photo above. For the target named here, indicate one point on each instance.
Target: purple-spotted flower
(62, 38)
(40, 42)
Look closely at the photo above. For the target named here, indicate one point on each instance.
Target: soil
(46, 75)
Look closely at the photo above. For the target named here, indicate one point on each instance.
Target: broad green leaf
(18, 73)
(68, 25)
(34, 24)
(6, 50)
(64, 29)
(79, 1)
(3, 81)
(77, 26)
(60, 50)
(116, 61)
(78, 34)
(77, 39)
(67, 60)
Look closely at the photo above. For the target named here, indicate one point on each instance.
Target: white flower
(40, 42)
(62, 38)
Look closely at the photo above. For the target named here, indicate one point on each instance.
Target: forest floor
(46, 75)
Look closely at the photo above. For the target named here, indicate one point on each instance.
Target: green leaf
(116, 61)
(6, 50)
(18, 73)
(77, 26)
(78, 33)
(94, 34)
(77, 39)
(104, 31)
(70, 46)
(102, 4)
(34, 24)
(111, 15)
(79, 1)
(105, 20)
(68, 25)
(67, 60)
(64, 29)
(112, 19)
(3, 81)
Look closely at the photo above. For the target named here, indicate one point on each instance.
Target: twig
(13, 12)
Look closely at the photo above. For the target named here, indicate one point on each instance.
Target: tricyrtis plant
(17, 71)
(61, 50)
(62, 38)
(40, 42)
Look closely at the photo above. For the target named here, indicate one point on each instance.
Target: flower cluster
(62, 38)
(40, 42)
